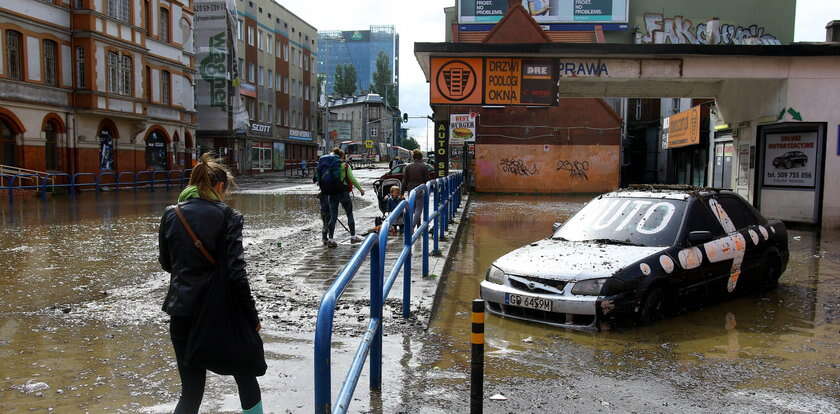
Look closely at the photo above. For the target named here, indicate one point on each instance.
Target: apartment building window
(249, 106)
(163, 25)
(286, 86)
(80, 67)
(294, 119)
(268, 44)
(14, 54)
(278, 49)
(261, 76)
(50, 63)
(241, 68)
(147, 13)
(259, 39)
(286, 52)
(250, 36)
(286, 120)
(240, 29)
(306, 93)
(165, 88)
(270, 79)
(251, 72)
(119, 73)
(270, 113)
(279, 81)
(373, 131)
(118, 9)
(262, 112)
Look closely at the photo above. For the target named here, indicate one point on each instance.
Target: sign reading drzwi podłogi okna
(442, 148)
(512, 81)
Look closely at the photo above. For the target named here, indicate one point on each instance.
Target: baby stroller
(383, 189)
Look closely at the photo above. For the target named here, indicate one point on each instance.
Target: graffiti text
(517, 167)
(679, 30)
(576, 169)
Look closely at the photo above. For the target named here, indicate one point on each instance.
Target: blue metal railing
(47, 182)
(447, 199)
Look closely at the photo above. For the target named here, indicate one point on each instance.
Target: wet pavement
(80, 323)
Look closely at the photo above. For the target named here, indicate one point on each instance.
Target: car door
(698, 273)
(747, 224)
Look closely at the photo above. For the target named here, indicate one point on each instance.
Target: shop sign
(248, 89)
(456, 80)
(261, 129)
(300, 135)
(790, 159)
(442, 148)
(461, 127)
(683, 129)
(512, 81)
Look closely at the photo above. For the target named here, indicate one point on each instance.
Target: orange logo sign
(456, 80)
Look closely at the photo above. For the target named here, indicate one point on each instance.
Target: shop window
(14, 54)
(106, 150)
(50, 63)
(165, 88)
(722, 174)
(156, 157)
(118, 9)
(7, 144)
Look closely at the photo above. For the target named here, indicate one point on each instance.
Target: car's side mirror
(700, 237)
(556, 226)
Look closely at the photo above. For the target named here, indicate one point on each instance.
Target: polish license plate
(528, 302)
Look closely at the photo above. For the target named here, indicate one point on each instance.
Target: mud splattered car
(639, 252)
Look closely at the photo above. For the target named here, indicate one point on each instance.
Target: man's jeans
(344, 199)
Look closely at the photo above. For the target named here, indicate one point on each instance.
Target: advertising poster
(442, 148)
(547, 11)
(790, 159)
(513, 81)
(461, 128)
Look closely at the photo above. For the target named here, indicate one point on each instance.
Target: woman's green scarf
(192, 192)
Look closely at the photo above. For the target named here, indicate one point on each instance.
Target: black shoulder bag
(222, 338)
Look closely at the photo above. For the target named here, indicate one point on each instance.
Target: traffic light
(405, 117)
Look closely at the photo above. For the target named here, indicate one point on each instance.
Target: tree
(345, 80)
(382, 83)
(410, 144)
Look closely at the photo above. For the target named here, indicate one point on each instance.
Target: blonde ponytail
(209, 172)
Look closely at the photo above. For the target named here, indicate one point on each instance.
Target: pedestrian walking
(414, 175)
(338, 192)
(303, 168)
(213, 316)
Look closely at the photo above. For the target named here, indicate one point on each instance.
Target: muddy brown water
(766, 352)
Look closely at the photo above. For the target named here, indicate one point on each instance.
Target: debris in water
(528, 340)
(498, 397)
(33, 386)
(797, 237)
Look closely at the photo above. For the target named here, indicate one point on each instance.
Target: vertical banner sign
(790, 159)
(442, 148)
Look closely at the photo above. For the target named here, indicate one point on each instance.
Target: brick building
(89, 86)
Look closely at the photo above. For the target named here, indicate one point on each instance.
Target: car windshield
(626, 221)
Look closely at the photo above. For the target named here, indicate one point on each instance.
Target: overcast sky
(423, 21)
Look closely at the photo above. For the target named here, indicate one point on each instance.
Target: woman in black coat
(219, 229)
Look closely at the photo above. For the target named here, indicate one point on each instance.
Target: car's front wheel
(770, 280)
(653, 306)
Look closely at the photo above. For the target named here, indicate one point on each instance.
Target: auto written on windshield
(633, 221)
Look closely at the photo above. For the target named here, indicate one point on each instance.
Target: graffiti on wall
(679, 30)
(517, 167)
(577, 169)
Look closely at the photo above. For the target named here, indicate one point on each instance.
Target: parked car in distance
(790, 160)
(637, 252)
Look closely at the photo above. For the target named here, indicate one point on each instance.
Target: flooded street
(776, 352)
(81, 328)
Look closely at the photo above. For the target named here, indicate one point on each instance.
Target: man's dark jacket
(219, 228)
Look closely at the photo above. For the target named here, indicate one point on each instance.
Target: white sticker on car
(645, 269)
(690, 258)
(728, 248)
(667, 263)
(663, 220)
(764, 233)
(754, 237)
(722, 217)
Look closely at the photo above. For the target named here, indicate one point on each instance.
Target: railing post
(97, 178)
(426, 230)
(436, 247)
(376, 304)
(477, 360)
(42, 187)
(408, 231)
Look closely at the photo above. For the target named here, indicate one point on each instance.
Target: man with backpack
(336, 180)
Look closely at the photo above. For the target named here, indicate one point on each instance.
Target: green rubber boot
(257, 409)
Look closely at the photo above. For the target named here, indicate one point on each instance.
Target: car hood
(571, 261)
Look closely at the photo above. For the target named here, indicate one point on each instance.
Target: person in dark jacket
(219, 228)
(414, 175)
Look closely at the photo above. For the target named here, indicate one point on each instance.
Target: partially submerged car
(636, 252)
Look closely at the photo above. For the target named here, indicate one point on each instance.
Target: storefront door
(722, 174)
